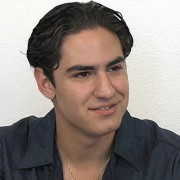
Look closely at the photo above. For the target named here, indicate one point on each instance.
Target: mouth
(105, 110)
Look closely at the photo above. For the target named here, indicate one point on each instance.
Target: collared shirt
(141, 151)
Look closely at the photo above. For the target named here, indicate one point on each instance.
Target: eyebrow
(90, 68)
(80, 68)
(119, 59)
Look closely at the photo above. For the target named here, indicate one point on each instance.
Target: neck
(80, 148)
(78, 151)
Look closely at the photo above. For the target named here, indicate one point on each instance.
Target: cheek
(122, 85)
(74, 94)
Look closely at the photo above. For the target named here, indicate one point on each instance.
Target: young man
(78, 52)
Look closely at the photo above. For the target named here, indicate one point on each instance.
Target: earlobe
(44, 84)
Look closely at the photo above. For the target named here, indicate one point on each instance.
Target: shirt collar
(125, 141)
(41, 138)
(40, 149)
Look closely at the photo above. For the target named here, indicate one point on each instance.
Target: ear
(44, 84)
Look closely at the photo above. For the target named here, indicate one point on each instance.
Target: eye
(82, 74)
(116, 68)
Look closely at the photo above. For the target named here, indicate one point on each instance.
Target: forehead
(90, 46)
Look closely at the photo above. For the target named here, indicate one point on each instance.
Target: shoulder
(22, 140)
(26, 129)
(14, 141)
(19, 128)
(16, 136)
(149, 130)
(157, 148)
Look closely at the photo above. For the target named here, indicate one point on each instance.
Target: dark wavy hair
(45, 43)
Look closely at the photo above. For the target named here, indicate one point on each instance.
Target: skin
(90, 97)
(79, 93)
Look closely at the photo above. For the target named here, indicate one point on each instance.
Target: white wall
(154, 64)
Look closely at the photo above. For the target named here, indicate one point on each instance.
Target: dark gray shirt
(142, 151)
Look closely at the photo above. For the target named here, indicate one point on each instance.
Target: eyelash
(86, 74)
(116, 68)
(82, 74)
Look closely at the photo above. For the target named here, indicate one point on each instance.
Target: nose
(103, 86)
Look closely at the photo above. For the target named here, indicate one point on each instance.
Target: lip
(106, 112)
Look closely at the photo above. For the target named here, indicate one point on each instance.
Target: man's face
(91, 83)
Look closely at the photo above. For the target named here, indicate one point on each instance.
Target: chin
(108, 129)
